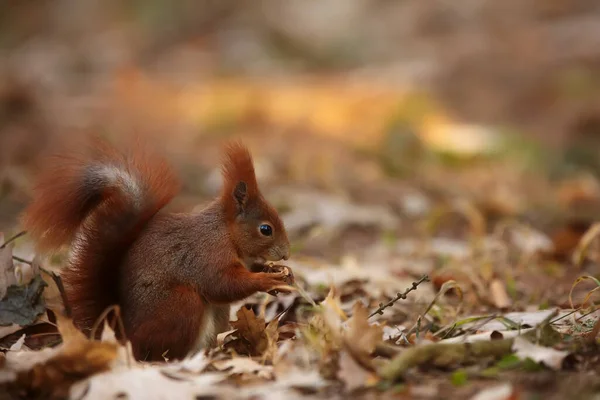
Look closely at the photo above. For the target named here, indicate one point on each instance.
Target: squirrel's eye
(265, 230)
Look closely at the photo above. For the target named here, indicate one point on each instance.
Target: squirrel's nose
(286, 254)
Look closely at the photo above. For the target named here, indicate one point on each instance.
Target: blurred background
(366, 118)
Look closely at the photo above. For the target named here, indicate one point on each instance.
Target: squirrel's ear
(240, 194)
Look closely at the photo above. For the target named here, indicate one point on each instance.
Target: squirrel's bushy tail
(96, 199)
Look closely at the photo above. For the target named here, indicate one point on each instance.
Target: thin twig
(12, 239)
(22, 260)
(564, 316)
(61, 289)
(424, 278)
(586, 314)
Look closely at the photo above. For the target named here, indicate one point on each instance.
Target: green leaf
(459, 377)
(532, 366)
(509, 361)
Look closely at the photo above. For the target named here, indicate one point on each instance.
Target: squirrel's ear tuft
(238, 167)
(240, 194)
(239, 180)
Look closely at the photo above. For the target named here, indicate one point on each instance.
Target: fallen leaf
(524, 319)
(77, 358)
(221, 337)
(361, 337)
(353, 374)
(530, 241)
(333, 315)
(18, 345)
(550, 357)
(244, 366)
(251, 329)
(22, 305)
(486, 336)
(504, 391)
(272, 335)
(498, 294)
(148, 382)
(18, 361)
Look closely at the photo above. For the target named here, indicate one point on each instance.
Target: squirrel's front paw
(281, 270)
(280, 281)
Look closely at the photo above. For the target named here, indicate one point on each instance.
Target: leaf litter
(355, 344)
(492, 305)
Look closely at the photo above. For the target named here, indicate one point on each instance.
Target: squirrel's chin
(272, 259)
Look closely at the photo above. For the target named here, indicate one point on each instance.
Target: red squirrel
(173, 275)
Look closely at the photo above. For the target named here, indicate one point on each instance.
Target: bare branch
(424, 278)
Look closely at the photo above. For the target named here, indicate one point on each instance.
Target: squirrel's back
(96, 199)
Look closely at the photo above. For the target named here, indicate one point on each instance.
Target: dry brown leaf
(272, 335)
(77, 359)
(332, 312)
(221, 337)
(357, 341)
(255, 338)
(249, 326)
(361, 337)
(498, 294)
(353, 374)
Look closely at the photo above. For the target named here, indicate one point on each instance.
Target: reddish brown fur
(238, 167)
(171, 328)
(164, 270)
(60, 202)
